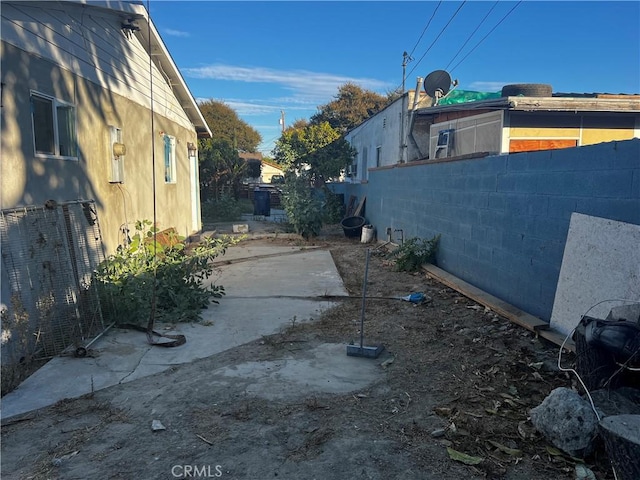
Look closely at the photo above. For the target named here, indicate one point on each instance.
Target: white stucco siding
(382, 131)
(90, 43)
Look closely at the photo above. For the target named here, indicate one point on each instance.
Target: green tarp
(464, 96)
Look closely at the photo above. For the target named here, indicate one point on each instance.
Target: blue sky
(261, 58)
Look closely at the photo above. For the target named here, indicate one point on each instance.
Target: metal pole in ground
(364, 297)
(362, 351)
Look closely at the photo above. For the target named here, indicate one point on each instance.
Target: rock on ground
(566, 420)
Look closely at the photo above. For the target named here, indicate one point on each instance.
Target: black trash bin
(352, 226)
(261, 202)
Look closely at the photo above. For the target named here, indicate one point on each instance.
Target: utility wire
(436, 39)
(425, 28)
(152, 313)
(472, 34)
(485, 37)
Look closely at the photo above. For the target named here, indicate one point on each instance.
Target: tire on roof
(527, 90)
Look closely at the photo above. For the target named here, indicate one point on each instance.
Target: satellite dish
(437, 84)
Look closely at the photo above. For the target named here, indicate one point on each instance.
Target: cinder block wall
(503, 220)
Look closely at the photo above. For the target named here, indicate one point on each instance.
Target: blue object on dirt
(415, 297)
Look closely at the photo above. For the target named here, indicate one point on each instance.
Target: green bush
(332, 208)
(414, 253)
(225, 209)
(303, 207)
(126, 280)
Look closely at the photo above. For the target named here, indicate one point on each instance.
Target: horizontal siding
(90, 44)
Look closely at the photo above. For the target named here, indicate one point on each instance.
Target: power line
(425, 28)
(436, 39)
(472, 34)
(484, 38)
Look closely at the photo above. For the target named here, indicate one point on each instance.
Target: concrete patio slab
(264, 294)
(327, 369)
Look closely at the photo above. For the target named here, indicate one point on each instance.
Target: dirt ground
(455, 377)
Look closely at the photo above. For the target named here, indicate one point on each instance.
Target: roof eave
(550, 104)
(179, 86)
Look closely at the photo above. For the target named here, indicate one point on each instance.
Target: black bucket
(352, 226)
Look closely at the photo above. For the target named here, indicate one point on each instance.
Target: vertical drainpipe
(403, 116)
(416, 101)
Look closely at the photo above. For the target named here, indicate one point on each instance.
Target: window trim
(55, 104)
(172, 159)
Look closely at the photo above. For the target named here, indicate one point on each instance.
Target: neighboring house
(514, 124)
(503, 125)
(269, 170)
(383, 139)
(94, 108)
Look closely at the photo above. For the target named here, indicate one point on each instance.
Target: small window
(54, 127)
(378, 156)
(169, 159)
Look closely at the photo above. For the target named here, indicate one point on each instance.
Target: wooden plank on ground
(358, 211)
(350, 206)
(501, 307)
(558, 339)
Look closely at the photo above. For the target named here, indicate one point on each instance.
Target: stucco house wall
(79, 54)
(383, 139)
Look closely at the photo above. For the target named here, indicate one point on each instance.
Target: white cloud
(175, 33)
(308, 88)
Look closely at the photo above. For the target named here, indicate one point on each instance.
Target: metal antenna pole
(406, 58)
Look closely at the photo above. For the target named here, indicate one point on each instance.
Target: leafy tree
(318, 148)
(221, 169)
(226, 125)
(350, 107)
(302, 204)
(254, 168)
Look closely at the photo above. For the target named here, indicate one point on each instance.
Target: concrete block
(562, 207)
(485, 254)
(241, 228)
(517, 182)
(625, 154)
(471, 249)
(635, 184)
(622, 210)
(549, 228)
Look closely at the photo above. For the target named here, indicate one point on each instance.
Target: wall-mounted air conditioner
(117, 151)
(445, 146)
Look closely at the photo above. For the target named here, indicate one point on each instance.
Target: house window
(378, 155)
(54, 127)
(169, 159)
